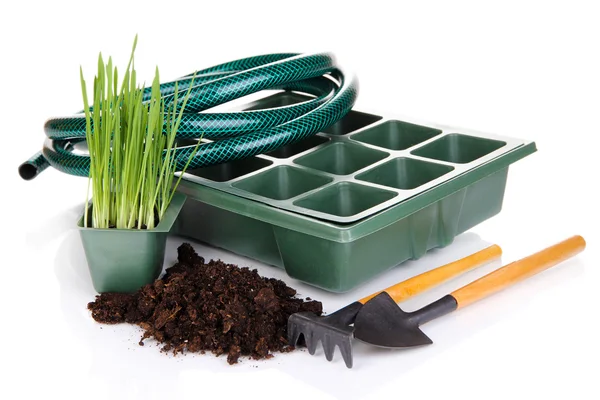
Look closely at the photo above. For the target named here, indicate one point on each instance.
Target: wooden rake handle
(518, 271)
(420, 283)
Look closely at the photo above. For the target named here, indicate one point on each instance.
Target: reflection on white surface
(120, 365)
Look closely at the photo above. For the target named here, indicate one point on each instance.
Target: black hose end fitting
(28, 171)
(33, 167)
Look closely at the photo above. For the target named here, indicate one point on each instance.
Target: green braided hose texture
(235, 135)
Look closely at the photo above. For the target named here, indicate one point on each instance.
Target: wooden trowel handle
(427, 280)
(518, 271)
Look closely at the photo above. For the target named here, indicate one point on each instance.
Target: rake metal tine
(329, 347)
(311, 342)
(346, 350)
(293, 334)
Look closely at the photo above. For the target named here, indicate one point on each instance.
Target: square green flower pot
(123, 260)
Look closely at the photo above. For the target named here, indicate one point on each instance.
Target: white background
(524, 69)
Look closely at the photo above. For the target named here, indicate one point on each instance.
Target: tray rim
(344, 233)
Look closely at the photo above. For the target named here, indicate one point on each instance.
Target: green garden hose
(233, 135)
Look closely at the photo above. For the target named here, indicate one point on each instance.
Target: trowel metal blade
(382, 323)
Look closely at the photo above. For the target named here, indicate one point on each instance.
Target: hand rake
(336, 330)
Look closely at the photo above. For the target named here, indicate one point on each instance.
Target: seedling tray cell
(349, 203)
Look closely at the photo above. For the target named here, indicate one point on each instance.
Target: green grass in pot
(132, 149)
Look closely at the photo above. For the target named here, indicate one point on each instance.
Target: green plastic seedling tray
(349, 203)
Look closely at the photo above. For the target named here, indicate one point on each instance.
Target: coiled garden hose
(234, 135)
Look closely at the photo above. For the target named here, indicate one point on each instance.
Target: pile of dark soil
(216, 307)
